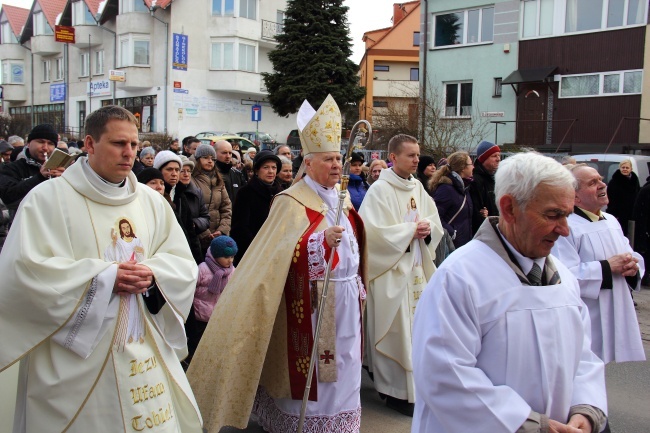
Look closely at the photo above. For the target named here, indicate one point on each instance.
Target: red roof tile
(93, 5)
(162, 3)
(16, 17)
(52, 9)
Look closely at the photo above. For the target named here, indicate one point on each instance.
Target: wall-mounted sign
(64, 34)
(99, 88)
(492, 114)
(57, 92)
(179, 48)
(114, 75)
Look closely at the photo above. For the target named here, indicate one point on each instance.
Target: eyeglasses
(186, 171)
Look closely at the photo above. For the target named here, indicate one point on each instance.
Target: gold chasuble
(67, 237)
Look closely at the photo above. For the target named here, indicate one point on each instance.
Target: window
(41, 26)
(537, 18)
(225, 8)
(382, 68)
(222, 56)
(13, 72)
(379, 104)
(134, 50)
(415, 74)
(497, 87)
(279, 17)
(585, 15)
(625, 13)
(464, 27)
(58, 69)
(247, 57)
(248, 9)
(601, 84)
(81, 107)
(458, 100)
(99, 62)
(84, 64)
(46, 71)
(7, 34)
(416, 39)
(81, 14)
(127, 6)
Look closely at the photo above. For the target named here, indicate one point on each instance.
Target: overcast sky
(364, 15)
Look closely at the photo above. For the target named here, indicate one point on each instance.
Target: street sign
(256, 113)
(64, 34)
(114, 75)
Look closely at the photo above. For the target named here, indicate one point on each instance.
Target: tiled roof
(162, 3)
(93, 5)
(16, 17)
(52, 9)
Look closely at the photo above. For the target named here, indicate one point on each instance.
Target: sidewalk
(642, 298)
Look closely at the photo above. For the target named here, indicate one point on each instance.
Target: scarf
(220, 275)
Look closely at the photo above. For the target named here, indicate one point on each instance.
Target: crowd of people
(179, 288)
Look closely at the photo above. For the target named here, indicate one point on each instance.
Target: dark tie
(535, 275)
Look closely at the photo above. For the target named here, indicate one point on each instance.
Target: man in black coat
(22, 175)
(233, 178)
(488, 156)
(641, 216)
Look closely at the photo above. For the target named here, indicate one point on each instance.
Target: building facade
(187, 66)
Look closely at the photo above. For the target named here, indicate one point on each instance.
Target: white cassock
(338, 408)
(488, 350)
(79, 369)
(615, 334)
(398, 270)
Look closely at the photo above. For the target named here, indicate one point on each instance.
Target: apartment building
(187, 66)
(562, 75)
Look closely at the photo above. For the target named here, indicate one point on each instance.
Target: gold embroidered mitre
(320, 131)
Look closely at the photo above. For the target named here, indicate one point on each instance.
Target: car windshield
(265, 137)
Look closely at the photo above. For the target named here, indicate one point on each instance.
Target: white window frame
(459, 109)
(47, 71)
(236, 64)
(84, 67)
(98, 62)
(223, 64)
(41, 26)
(128, 6)
(58, 69)
(242, 62)
(601, 84)
(222, 8)
(538, 17)
(81, 15)
(7, 34)
(465, 13)
(247, 12)
(7, 71)
(127, 42)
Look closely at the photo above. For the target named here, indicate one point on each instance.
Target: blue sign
(57, 92)
(256, 113)
(181, 91)
(179, 60)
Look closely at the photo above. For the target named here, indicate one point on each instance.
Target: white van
(607, 164)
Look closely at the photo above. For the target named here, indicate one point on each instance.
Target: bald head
(224, 151)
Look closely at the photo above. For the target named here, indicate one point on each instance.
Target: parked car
(607, 164)
(293, 139)
(262, 140)
(244, 144)
(207, 134)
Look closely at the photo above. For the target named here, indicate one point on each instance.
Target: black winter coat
(17, 179)
(183, 212)
(250, 211)
(233, 178)
(448, 197)
(641, 215)
(482, 193)
(622, 192)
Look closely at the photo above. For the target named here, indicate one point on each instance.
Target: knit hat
(164, 157)
(45, 131)
(251, 150)
(148, 174)
(265, 155)
(357, 157)
(223, 246)
(146, 151)
(205, 150)
(5, 146)
(187, 161)
(425, 161)
(485, 149)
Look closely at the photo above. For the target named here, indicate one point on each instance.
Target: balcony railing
(271, 29)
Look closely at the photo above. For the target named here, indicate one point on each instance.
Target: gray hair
(284, 160)
(276, 149)
(625, 161)
(15, 139)
(521, 174)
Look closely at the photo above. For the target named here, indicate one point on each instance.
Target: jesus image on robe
(413, 216)
(127, 248)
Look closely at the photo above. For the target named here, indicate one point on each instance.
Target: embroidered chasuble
(398, 269)
(90, 358)
(261, 331)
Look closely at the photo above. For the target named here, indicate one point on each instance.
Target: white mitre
(320, 131)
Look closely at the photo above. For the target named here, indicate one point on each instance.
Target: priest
(501, 336)
(255, 352)
(97, 282)
(403, 229)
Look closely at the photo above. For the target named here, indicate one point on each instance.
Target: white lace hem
(316, 253)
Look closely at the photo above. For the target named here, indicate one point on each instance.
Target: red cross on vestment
(327, 357)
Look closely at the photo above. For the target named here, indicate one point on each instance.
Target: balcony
(45, 45)
(134, 22)
(395, 88)
(269, 30)
(88, 36)
(12, 51)
(235, 81)
(14, 92)
(136, 78)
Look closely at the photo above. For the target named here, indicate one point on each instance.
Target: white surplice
(615, 330)
(60, 318)
(488, 350)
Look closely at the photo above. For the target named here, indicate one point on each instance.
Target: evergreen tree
(312, 58)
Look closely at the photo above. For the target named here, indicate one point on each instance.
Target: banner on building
(64, 34)
(57, 92)
(98, 88)
(179, 60)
